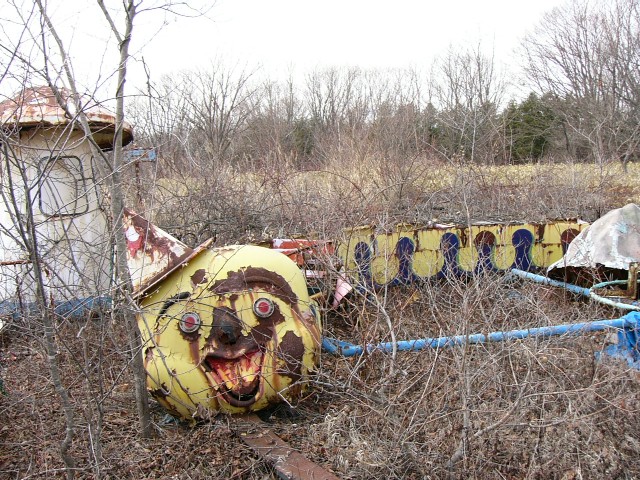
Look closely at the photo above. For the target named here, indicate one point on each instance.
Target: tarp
(612, 241)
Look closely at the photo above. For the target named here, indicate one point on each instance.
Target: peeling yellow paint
(233, 360)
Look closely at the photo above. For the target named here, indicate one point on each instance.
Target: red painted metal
(152, 253)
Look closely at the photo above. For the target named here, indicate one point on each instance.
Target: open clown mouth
(238, 380)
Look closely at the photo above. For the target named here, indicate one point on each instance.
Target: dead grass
(241, 205)
(536, 408)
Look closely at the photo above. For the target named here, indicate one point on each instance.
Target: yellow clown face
(232, 330)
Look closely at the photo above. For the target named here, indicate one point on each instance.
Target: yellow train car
(410, 253)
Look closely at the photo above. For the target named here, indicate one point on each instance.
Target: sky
(285, 35)
(292, 37)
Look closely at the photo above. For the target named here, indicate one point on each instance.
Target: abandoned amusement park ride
(235, 329)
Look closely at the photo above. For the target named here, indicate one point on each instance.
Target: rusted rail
(10, 263)
(288, 462)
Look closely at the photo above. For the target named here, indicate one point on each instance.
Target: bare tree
(24, 233)
(40, 55)
(469, 91)
(117, 212)
(587, 55)
(220, 100)
(161, 119)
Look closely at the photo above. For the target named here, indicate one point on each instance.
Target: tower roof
(39, 107)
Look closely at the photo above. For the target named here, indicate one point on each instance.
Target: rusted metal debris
(10, 263)
(38, 107)
(288, 462)
(409, 253)
(151, 252)
(230, 329)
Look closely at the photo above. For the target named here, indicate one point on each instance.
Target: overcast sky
(282, 36)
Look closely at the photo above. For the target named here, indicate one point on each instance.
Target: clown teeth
(226, 378)
(237, 375)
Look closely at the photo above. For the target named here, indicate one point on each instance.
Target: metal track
(288, 462)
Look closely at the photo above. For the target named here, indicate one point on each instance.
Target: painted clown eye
(190, 322)
(263, 307)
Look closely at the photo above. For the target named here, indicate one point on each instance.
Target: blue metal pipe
(339, 347)
(548, 281)
(609, 301)
(587, 292)
(74, 309)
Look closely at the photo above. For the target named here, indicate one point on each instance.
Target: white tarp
(612, 241)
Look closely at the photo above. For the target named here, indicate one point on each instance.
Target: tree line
(581, 67)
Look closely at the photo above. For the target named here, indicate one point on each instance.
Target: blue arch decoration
(362, 255)
(405, 249)
(522, 241)
(485, 243)
(450, 246)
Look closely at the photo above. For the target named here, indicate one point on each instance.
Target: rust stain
(484, 238)
(256, 277)
(288, 462)
(155, 242)
(292, 351)
(464, 238)
(194, 348)
(199, 277)
(39, 107)
(152, 254)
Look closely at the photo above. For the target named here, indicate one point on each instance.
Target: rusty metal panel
(151, 252)
(305, 252)
(288, 462)
(410, 253)
(38, 107)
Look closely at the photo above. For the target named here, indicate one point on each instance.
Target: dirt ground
(535, 408)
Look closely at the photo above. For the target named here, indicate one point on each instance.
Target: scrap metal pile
(235, 329)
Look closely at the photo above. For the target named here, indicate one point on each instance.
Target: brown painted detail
(567, 237)
(484, 239)
(256, 277)
(226, 328)
(160, 393)
(226, 340)
(288, 463)
(464, 238)
(199, 277)
(291, 350)
(262, 333)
